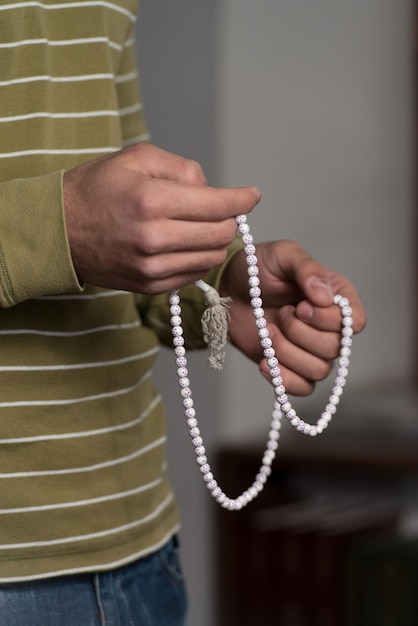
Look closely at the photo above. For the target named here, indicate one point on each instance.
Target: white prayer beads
(282, 405)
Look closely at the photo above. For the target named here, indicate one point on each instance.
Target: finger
(318, 311)
(295, 385)
(162, 236)
(165, 267)
(162, 198)
(313, 278)
(294, 358)
(322, 343)
(318, 284)
(329, 318)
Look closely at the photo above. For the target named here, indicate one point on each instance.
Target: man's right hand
(145, 220)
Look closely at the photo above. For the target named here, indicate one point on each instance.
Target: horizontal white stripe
(124, 78)
(69, 5)
(86, 433)
(88, 468)
(70, 115)
(96, 535)
(77, 366)
(60, 42)
(57, 79)
(74, 333)
(69, 401)
(88, 296)
(8, 155)
(77, 503)
(134, 108)
(99, 567)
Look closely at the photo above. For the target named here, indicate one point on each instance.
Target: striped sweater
(83, 477)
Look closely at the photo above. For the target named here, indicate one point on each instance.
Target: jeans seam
(96, 585)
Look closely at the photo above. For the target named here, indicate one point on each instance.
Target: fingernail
(257, 194)
(323, 290)
(305, 311)
(272, 330)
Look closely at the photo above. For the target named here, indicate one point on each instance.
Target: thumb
(318, 290)
(318, 293)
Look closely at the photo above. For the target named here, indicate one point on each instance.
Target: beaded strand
(282, 406)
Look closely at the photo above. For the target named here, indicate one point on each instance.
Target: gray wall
(310, 100)
(314, 106)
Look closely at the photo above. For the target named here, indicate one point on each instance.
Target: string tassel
(215, 327)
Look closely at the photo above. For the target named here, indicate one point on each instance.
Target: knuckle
(147, 202)
(143, 149)
(150, 242)
(192, 172)
(135, 151)
(150, 269)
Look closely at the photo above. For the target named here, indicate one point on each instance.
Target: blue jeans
(150, 592)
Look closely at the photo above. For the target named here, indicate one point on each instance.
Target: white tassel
(215, 325)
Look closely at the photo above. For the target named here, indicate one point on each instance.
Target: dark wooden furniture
(353, 458)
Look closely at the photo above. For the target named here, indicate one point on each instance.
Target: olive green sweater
(83, 476)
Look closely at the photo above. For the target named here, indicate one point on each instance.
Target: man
(91, 215)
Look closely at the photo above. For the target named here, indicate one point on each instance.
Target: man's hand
(145, 220)
(303, 322)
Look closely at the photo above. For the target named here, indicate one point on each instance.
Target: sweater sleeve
(131, 110)
(35, 259)
(155, 310)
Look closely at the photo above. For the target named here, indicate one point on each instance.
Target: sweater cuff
(35, 258)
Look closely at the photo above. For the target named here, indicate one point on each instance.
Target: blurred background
(313, 101)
